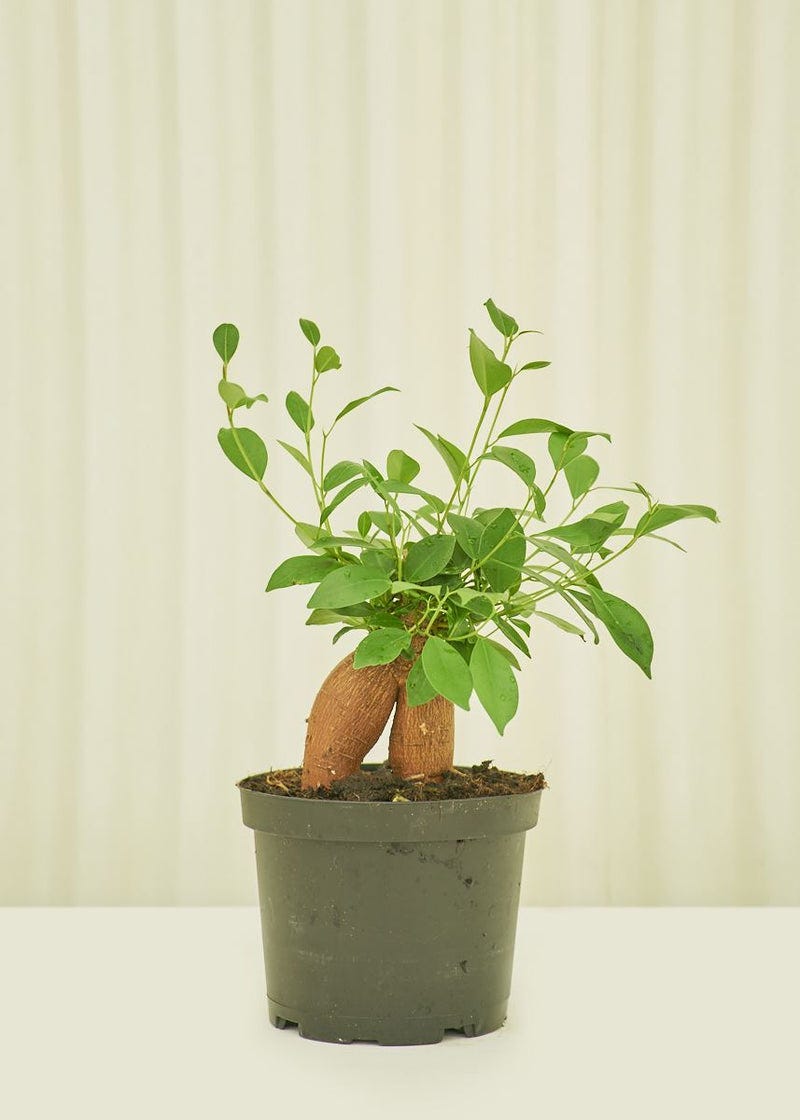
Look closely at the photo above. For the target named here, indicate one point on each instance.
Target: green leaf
(624, 623)
(468, 533)
(387, 522)
(310, 330)
(226, 339)
(506, 324)
(448, 581)
(501, 649)
(533, 365)
(481, 608)
(379, 617)
(248, 402)
(346, 586)
(475, 602)
(517, 461)
(344, 631)
(461, 626)
(590, 533)
(592, 435)
(308, 534)
(562, 624)
(457, 455)
(364, 524)
(401, 467)
(571, 601)
(495, 683)
(516, 640)
(491, 374)
(419, 689)
(326, 618)
(360, 400)
(372, 474)
(299, 411)
(248, 454)
(581, 474)
(651, 536)
(340, 473)
(318, 539)
(426, 513)
(389, 486)
(539, 502)
(459, 561)
(447, 671)
(342, 496)
(401, 585)
(661, 515)
(520, 624)
(534, 427)
(564, 448)
(381, 560)
(559, 553)
(301, 570)
(454, 459)
(428, 557)
(297, 455)
(381, 647)
(231, 393)
(326, 359)
(501, 562)
(235, 396)
(325, 541)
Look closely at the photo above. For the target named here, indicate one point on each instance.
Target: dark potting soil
(482, 780)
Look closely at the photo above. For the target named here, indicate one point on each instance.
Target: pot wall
(389, 922)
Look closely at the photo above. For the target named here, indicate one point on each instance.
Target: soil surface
(483, 780)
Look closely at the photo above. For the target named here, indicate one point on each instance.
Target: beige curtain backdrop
(622, 175)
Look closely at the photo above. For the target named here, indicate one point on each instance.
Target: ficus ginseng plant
(447, 591)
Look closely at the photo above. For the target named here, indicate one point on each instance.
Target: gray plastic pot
(389, 921)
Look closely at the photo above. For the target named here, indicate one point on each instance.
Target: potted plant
(389, 894)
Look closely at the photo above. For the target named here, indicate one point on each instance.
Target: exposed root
(348, 715)
(350, 712)
(422, 739)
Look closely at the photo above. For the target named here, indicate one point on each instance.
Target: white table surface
(629, 1013)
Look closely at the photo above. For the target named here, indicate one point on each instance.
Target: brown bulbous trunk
(350, 712)
(422, 739)
(347, 718)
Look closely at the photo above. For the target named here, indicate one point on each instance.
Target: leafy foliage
(245, 449)
(438, 572)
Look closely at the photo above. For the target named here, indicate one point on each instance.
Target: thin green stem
(322, 453)
(473, 570)
(439, 609)
(577, 502)
(319, 493)
(571, 579)
(473, 467)
(248, 462)
(467, 463)
(390, 530)
(500, 543)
